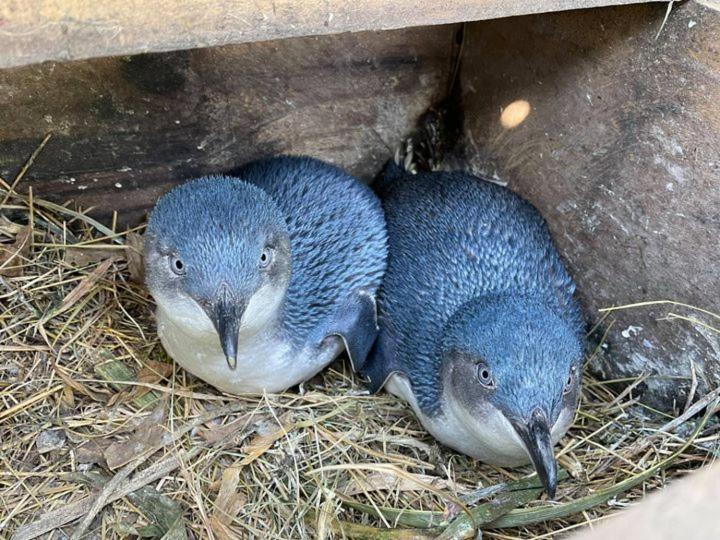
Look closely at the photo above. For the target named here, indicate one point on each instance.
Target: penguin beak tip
(231, 362)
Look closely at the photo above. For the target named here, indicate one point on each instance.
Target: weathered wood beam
(33, 31)
(126, 129)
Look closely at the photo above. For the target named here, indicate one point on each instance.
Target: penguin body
(479, 330)
(276, 276)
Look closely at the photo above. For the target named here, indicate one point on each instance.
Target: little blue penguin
(479, 330)
(262, 279)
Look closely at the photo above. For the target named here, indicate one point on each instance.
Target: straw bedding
(101, 435)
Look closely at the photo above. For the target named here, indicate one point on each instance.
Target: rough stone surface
(621, 153)
(49, 440)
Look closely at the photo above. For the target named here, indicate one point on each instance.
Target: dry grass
(92, 410)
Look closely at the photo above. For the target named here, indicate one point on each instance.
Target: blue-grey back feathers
(337, 233)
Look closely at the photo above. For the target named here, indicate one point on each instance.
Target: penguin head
(217, 256)
(512, 366)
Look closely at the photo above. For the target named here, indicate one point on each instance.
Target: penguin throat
(264, 311)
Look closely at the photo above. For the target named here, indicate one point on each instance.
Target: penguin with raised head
(262, 279)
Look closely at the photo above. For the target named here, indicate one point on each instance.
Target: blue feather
(337, 233)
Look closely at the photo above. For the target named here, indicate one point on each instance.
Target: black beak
(226, 315)
(535, 433)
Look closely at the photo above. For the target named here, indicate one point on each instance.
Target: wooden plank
(124, 130)
(38, 30)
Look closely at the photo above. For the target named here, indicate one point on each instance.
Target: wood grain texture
(124, 130)
(621, 153)
(39, 30)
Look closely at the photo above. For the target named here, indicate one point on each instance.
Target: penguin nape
(479, 330)
(262, 280)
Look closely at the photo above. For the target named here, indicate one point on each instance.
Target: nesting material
(99, 431)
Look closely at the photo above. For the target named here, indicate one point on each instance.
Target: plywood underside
(39, 30)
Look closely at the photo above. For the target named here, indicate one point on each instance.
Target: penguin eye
(266, 257)
(177, 266)
(485, 376)
(569, 382)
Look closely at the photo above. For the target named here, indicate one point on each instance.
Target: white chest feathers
(266, 360)
(491, 439)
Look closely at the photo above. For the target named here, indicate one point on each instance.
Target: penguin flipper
(377, 369)
(355, 322)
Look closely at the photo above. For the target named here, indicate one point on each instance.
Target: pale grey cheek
(279, 274)
(562, 424)
(161, 290)
(187, 316)
(154, 284)
(473, 401)
(155, 278)
(572, 401)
